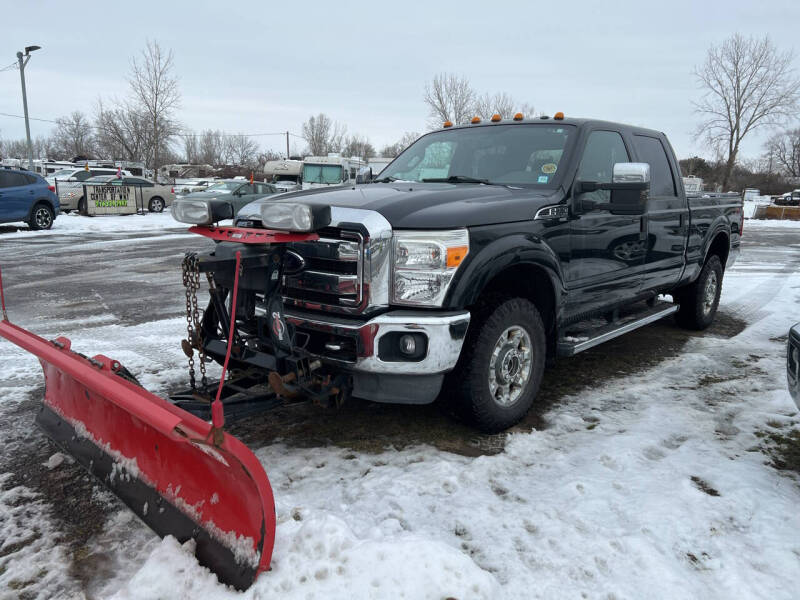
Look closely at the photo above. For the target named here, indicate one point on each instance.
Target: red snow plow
(181, 474)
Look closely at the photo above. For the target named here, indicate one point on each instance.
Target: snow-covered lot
(645, 478)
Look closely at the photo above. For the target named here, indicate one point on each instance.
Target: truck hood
(426, 205)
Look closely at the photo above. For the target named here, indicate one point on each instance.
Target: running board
(572, 343)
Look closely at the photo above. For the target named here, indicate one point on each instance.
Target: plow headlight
(196, 212)
(290, 216)
(425, 263)
(201, 212)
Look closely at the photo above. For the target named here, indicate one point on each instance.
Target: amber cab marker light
(519, 117)
(496, 118)
(447, 124)
(475, 120)
(559, 116)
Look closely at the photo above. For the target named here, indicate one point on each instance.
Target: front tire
(500, 369)
(156, 205)
(41, 217)
(699, 300)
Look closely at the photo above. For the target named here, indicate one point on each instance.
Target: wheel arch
(516, 266)
(42, 200)
(719, 245)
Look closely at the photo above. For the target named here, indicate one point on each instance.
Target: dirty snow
(74, 224)
(648, 486)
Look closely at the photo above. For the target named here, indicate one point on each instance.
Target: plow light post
(22, 63)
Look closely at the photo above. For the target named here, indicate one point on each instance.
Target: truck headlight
(292, 216)
(424, 265)
(196, 212)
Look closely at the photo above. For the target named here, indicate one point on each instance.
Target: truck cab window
(603, 150)
(650, 150)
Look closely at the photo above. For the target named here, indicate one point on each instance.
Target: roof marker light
(559, 116)
(519, 117)
(447, 124)
(496, 118)
(475, 120)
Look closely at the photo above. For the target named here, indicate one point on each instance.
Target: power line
(14, 65)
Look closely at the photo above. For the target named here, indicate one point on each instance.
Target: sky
(262, 67)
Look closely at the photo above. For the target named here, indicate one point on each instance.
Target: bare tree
(501, 103)
(449, 98)
(357, 145)
(747, 85)
(155, 91)
(121, 132)
(323, 135)
(783, 151)
(191, 149)
(241, 150)
(211, 147)
(74, 135)
(392, 150)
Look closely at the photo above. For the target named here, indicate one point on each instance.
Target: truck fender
(499, 255)
(719, 225)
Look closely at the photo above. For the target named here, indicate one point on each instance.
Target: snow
(650, 485)
(770, 224)
(74, 224)
(607, 501)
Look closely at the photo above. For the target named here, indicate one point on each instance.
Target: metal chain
(191, 282)
(187, 266)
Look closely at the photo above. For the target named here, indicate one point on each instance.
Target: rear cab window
(650, 150)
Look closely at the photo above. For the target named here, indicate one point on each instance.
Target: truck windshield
(514, 154)
(322, 174)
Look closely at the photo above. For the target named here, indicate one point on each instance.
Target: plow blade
(167, 465)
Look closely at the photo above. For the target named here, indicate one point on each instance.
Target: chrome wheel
(710, 293)
(42, 218)
(510, 365)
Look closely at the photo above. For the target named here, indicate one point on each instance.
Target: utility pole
(287, 145)
(22, 63)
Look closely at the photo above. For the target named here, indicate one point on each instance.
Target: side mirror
(629, 187)
(364, 175)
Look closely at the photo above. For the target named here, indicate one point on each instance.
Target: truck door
(667, 216)
(606, 250)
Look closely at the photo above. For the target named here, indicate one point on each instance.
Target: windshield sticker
(543, 178)
(549, 168)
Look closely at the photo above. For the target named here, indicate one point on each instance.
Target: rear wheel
(699, 300)
(500, 369)
(156, 204)
(82, 210)
(41, 217)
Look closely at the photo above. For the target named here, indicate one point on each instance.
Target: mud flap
(158, 459)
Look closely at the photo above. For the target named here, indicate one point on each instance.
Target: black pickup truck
(482, 253)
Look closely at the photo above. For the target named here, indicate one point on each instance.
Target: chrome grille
(332, 274)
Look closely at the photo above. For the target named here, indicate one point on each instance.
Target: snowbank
(74, 224)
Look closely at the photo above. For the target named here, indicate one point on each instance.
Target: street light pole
(22, 63)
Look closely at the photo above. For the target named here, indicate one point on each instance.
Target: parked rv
(285, 175)
(324, 171)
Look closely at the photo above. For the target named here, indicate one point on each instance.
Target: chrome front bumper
(445, 334)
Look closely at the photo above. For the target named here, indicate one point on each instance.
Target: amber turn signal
(519, 117)
(456, 255)
(496, 118)
(447, 124)
(559, 116)
(475, 120)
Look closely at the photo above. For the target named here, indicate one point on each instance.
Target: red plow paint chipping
(179, 473)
